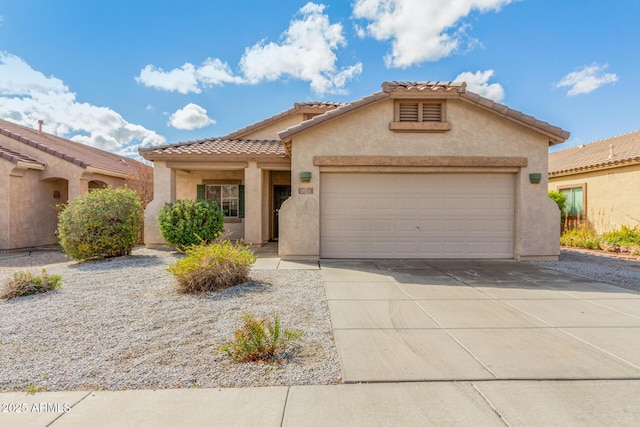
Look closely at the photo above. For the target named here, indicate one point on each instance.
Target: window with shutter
(230, 198)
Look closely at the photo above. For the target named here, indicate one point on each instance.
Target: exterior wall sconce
(56, 194)
(535, 178)
(305, 176)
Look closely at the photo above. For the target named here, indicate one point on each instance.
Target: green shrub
(187, 222)
(212, 267)
(102, 223)
(260, 340)
(559, 198)
(583, 237)
(25, 283)
(624, 236)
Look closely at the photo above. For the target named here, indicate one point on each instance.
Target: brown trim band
(445, 161)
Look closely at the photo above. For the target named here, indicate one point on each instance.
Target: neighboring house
(417, 170)
(39, 171)
(601, 180)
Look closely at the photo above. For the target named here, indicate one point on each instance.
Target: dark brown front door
(280, 194)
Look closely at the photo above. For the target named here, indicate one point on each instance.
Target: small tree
(100, 224)
(186, 223)
(561, 201)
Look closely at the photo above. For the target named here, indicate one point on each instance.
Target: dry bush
(212, 267)
(25, 283)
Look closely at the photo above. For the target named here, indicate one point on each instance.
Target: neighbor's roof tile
(15, 157)
(74, 152)
(626, 148)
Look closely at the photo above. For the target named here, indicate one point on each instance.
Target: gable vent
(409, 112)
(431, 113)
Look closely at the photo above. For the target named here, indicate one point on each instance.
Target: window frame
(222, 198)
(201, 194)
(583, 187)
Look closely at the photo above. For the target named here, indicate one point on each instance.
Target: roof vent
(40, 123)
(611, 154)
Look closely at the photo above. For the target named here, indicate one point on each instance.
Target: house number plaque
(305, 190)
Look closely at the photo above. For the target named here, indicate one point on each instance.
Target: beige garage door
(416, 215)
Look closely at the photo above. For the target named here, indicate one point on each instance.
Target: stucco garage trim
(443, 161)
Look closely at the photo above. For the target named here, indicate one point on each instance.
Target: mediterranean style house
(417, 170)
(601, 180)
(39, 171)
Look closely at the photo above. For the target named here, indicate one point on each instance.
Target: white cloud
(27, 95)
(215, 72)
(305, 51)
(478, 82)
(190, 117)
(587, 79)
(181, 79)
(420, 30)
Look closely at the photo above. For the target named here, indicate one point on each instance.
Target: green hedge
(102, 223)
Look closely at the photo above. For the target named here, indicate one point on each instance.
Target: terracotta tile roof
(597, 154)
(449, 89)
(74, 152)
(258, 147)
(424, 86)
(15, 157)
(234, 144)
(315, 105)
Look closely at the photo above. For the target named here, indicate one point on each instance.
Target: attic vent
(420, 112)
(409, 112)
(420, 116)
(431, 112)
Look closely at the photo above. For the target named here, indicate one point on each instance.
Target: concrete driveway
(478, 320)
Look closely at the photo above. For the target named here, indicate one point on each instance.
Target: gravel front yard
(119, 324)
(619, 272)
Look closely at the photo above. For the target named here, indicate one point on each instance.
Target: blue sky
(123, 74)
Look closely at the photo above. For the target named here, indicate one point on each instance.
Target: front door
(280, 194)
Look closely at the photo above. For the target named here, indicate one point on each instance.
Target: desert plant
(186, 222)
(261, 340)
(25, 283)
(584, 237)
(212, 267)
(623, 236)
(100, 224)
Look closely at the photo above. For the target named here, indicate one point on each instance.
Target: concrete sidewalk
(483, 403)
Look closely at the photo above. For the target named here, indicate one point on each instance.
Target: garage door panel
(382, 226)
(417, 215)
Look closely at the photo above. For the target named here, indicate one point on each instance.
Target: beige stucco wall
(271, 131)
(612, 195)
(5, 203)
(28, 216)
(475, 132)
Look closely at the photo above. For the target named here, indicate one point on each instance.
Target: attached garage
(420, 170)
(430, 215)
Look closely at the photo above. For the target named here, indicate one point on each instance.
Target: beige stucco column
(253, 204)
(5, 204)
(78, 187)
(164, 191)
